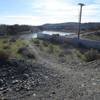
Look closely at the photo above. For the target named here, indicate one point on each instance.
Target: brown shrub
(26, 52)
(4, 55)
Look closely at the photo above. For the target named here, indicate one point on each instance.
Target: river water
(34, 35)
(53, 32)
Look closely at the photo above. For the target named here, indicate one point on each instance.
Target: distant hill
(63, 27)
(60, 27)
(71, 27)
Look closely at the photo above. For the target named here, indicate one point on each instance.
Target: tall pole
(80, 16)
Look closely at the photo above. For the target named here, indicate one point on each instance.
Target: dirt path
(48, 62)
(78, 82)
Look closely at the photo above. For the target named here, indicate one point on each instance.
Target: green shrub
(45, 43)
(36, 41)
(12, 40)
(91, 55)
(4, 55)
(5, 41)
(88, 55)
(6, 47)
(51, 48)
(55, 49)
(61, 54)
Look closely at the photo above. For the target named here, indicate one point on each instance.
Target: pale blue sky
(36, 12)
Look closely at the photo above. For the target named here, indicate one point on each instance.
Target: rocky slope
(19, 78)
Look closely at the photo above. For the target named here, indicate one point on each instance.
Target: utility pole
(80, 16)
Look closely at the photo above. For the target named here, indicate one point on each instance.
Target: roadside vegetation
(92, 36)
(9, 48)
(63, 51)
(18, 48)
(88, 55)
(47, 46)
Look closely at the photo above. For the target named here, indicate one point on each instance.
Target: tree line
(17, 29)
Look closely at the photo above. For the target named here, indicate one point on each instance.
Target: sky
(38, 12)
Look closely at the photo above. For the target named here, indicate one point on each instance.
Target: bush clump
(6, 47)
(45, 43)
(24, 51)
(4, 55)
(36, 41)
(55, 49)
(5, 41)
(12, 40)
(61, 54)
(51, 48)
(88, 55)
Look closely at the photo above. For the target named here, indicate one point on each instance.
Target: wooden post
(80, 16)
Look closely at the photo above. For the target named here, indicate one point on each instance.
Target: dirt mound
(19, 78)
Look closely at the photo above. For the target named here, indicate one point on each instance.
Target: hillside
(71, 27)
(62, 27)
